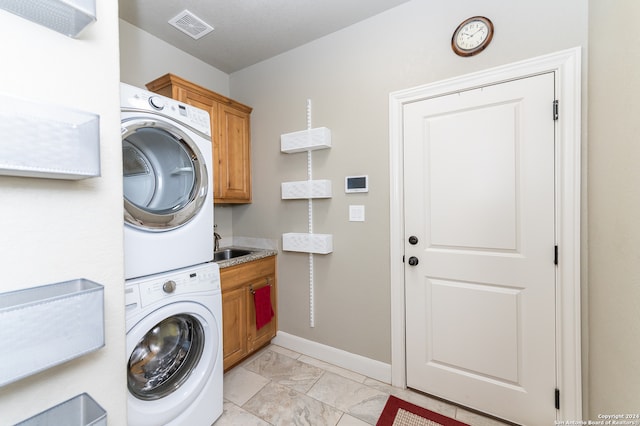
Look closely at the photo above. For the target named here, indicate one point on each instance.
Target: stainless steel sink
(229, 253)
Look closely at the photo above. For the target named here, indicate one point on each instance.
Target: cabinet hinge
(555, 110)
(555, 255)
(557, 396)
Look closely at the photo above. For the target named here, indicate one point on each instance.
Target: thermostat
(356, 184)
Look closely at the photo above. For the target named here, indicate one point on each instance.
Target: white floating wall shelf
(308, 243)
(305, 140)
(306, 189)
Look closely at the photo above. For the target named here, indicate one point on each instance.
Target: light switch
(356, 213)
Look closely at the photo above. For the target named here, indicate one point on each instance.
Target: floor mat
(398, 412)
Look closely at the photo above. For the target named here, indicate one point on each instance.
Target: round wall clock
(472, 36)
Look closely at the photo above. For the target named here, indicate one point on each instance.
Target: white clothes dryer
(174, 348)
(167, 181)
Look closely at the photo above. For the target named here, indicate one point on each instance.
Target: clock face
(472, 36)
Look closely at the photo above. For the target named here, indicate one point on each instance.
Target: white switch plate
(356, 213)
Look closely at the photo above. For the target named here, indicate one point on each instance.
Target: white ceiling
(249, 31)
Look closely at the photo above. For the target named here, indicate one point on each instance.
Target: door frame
(567, 68)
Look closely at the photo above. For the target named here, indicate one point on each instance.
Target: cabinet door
(234, 150)
(258, 338)
(234, 326)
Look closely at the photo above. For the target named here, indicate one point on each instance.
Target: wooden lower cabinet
(240, 336)
(234, 326)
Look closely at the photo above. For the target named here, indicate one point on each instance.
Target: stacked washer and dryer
(173, 298)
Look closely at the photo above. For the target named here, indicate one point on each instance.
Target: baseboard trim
(362, 365)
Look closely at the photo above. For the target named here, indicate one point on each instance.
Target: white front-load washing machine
(167, 181)
(174, 347)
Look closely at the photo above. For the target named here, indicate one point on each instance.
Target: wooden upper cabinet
(230, 134)
(234, 150)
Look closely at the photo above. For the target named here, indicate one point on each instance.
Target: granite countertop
(256, 253)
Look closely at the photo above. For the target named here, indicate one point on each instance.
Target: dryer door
(165, 177)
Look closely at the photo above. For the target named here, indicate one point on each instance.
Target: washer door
(165, 177)
(165, 357)
(172, 353)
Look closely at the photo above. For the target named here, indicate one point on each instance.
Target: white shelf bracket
(308, 140)
(312, 320)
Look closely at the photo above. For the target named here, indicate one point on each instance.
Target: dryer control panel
(133, 97)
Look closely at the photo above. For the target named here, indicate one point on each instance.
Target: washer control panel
(146, 291)
(169, 286)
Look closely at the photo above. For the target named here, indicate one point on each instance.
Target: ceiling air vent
(190, 24)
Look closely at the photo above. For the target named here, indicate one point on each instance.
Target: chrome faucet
(216, 239)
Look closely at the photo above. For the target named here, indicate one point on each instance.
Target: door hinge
(555, 110)
(555, 255)
(557, 396)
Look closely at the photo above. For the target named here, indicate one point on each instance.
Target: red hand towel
(262, 301)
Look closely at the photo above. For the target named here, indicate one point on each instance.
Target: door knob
(413, 261)
(413, 240)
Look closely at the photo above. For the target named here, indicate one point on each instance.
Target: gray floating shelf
(49, 325)
(81, 410)
(48, 141)
(67, 17)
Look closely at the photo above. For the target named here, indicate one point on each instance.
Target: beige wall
(614, 207)
(348, 75)
(55, 231)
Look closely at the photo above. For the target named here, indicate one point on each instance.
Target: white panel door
(479, 199)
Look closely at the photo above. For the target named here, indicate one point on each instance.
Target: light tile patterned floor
(282, 388)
